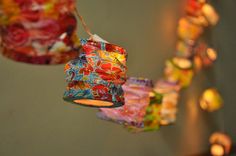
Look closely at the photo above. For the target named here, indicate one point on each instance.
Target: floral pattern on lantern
(152, 118)
(38, 31)
(96, 77)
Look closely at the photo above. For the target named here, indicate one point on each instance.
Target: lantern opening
(97, 103)
(217, 150)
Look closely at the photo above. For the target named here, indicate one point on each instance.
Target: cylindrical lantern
(179, 70)
(96, 77)
(204, 56)
(220, 144)
(211, 100)
(152, 118)
(136, 93)
(170, 92)
(38, 31)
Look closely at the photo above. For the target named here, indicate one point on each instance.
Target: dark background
(34, 120)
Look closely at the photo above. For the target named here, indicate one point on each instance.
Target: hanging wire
(86, 28)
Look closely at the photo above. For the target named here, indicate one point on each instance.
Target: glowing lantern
(211, 100)
(38, 32)
(210, 14)
(220, 144)
(179, 70)
(151, 120)
(188, 31)
(96, 77)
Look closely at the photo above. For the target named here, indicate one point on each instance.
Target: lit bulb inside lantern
(97, 103)
(220, 144)
(211, 100)
(211, 53)
(182, 63)
(210, 14)
(217, 150)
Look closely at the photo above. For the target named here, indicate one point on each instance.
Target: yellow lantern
(211, 100)
(179, 70)
(220, 144)
(188, 31)
(210, 14)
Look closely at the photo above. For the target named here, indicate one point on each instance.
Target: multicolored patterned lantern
(136, 93)
(152, 117)
(220, 144)
(211, 100)
(179, 70)
(38, 31)
(96, 77)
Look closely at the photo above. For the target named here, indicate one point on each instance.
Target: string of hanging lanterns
(145, 112)
(44, 32)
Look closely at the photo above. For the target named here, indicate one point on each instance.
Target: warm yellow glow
(212, 54)
(211, 100)
(182, 63)
(217, 150)
(202, 1)
(220, 139)
(210, 13)
(97, 103)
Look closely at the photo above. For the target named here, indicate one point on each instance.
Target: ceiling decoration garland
(145, 112)
(44, 32)
(38, 31)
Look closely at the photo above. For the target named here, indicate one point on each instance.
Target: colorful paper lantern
(96, 77)
(179, 70)
(211, 100)
(136, 93)
(210, 14)
(38, 31)
(170, 92)
(220, 144)
(152, 118)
